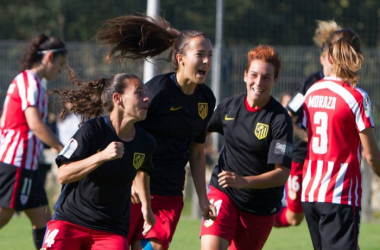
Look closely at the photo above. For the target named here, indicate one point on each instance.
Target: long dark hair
(35, 51)
(92, 98)
(136, 37)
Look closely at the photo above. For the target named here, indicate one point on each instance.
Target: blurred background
(287, 25)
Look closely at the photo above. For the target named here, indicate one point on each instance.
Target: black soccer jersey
(101, 200)
(299, 146)
(175, 120)
(254, 141)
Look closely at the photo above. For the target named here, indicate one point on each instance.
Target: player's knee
(296, 220)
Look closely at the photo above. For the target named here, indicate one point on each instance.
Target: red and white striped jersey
(18, 145)
(334, 114)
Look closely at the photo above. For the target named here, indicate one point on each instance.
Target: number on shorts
(217, 204)
(27, 186)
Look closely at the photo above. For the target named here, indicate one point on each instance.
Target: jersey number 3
(319, 142)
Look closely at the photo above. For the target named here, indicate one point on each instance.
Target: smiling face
(195, 61)
(260, 79)
(134, 100)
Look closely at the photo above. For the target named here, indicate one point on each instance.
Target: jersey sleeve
(147, 165)
(78, 147)
(363, 114)
(281, 146)
(216, 123)
(29, 90)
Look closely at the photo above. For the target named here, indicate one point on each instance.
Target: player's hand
(149, 220)
(135, 194)
(230, 179)
(113, 151)
(209, 211)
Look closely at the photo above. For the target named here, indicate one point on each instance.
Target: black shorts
(332, 226)
(21, 189)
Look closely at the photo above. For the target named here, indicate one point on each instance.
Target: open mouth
(202, 73)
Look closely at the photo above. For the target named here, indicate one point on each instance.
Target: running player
(292, 214)
(22, 132)
(179, 111)
(97, 166)
(246, 186)
(338, 117)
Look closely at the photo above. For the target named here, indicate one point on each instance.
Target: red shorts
(293, 188)
(167, 210)
(241, 229)
(65, 235)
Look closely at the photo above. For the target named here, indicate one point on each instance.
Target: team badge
(261, 130)
(24, 199)
(138, 159)
(208, 223)
(203, 109)
(367, 107)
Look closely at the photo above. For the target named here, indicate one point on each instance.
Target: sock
(146, 244)
(38, 237)
(280, 218)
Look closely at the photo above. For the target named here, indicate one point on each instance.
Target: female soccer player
(179, 111)
(292, 214)
(22, 131)
(338, 117)
(97, 166)
(246, 185)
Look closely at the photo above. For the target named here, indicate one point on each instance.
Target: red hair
(267, 54)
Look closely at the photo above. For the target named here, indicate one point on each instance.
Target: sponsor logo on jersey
(283, 148)
(69, 149)
(261, 130)
(203, 109)
(138, 159)
(175, 108)
(367, 107)
(226, 118)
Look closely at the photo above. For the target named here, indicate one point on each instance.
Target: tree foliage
(274, 22)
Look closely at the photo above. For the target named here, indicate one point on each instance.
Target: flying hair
(323, 32)
(135, 37)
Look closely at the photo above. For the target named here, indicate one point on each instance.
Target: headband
(52, 50)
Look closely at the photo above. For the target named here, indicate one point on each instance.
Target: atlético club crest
(261, 130)
(202, 109)
(138, 159)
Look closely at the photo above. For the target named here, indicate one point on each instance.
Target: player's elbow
(374, 162)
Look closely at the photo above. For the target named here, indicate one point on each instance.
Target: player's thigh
(136, 223)
(252, 231)
(313, 217)
(339, 226)
(105, 240)
(5, 215)
(225, 223)
(39, 216)
(62, 235)
(167, 211)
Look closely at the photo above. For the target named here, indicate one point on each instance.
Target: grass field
(17, 236)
